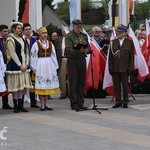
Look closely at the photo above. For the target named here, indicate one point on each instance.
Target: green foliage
(63, 9)
(142, 10)
(86, 5)
(88, 28)
(22, 4)
(51, 28)
(105, 7)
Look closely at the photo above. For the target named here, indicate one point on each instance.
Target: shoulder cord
(117, 53)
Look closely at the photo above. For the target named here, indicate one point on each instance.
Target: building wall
(50, 17)
(8, 11)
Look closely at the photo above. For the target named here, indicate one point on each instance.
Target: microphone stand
(92, 73)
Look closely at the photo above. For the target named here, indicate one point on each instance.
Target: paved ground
(65, 129)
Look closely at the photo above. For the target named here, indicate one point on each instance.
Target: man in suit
(121, 64)
(62, 61)
(3, 37)
(30, 40)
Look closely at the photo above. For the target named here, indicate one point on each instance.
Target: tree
(48, 3)
(105, 7)
(64, 7)
(142, 10)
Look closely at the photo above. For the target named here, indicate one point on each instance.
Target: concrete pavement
(65, 129)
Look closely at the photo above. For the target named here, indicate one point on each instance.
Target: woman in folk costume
(17, 72)
(44, 64)
(3, 90)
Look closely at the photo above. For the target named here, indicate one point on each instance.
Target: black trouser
(118, 80)
(5, 100)
(77, 75)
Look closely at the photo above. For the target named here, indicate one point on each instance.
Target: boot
(16, 110)
(5, 102)
(33, 101)
(20, 106)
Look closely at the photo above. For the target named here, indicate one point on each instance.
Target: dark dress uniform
(76, 64)
(121, 64)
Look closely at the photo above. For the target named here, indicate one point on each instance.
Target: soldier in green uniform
(121, 63)
(77, 47)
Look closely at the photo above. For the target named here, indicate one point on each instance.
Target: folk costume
(17, 70)
(44, 64)
(17, 55)
(4, 95)
(2, 74)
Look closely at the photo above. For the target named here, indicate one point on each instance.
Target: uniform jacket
(71, 40)
(124, 62)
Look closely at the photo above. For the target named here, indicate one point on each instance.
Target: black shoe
(62, 97)
(48, 108)
(76, 107)
(35, 106)
(125, 105)
(16, 110)
(83, 107)
(7, 107)
(117, 105)
(23, 109)
(42, 109)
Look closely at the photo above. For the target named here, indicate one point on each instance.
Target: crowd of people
(45, 67)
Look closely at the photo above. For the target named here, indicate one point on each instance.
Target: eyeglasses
(97, 31)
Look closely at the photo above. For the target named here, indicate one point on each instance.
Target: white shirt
(121, 41)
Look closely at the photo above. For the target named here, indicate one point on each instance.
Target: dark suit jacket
(125, 62)
(59, 50)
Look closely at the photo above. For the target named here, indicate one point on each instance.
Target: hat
(65, 29)
(122, 28)
(41, 30)
(16, 22)
(77, 22)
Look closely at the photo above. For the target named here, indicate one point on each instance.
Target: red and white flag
(139, 62)
(131, 7)
(33, 13)
(148, 43)
(96, 65)
(108, 81)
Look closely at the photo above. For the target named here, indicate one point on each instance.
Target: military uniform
(121, 63)
(76, 64)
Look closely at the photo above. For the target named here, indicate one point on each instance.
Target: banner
(75, 10)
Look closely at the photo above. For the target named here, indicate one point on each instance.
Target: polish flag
(25, 17)
(33, 13)
(139, 62)
(96, 65)
(131, 7)
(146, 46)
(108, 80)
